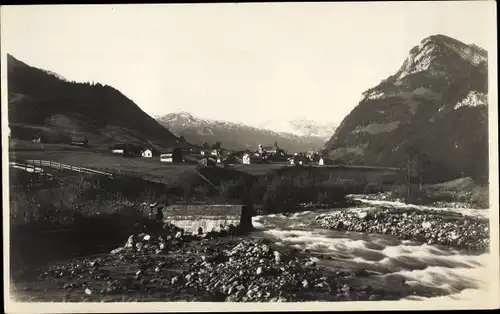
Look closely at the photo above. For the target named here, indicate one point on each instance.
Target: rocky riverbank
(454, 230)
(175, 266)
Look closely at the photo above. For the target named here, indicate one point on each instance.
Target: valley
(401, 213)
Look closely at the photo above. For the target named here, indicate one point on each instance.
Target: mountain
(300, 126)
(433, 113)
(43, 102)
(233, 135)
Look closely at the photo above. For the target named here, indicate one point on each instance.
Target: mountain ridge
(42, 102)
(434, 105)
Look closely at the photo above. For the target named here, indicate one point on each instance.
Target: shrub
(480, 197)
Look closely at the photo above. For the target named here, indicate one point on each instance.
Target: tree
(217, 145)
(206, 145)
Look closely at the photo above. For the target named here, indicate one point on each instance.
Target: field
(146, 168)
(151, 168)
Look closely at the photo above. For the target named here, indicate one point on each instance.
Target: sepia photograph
(250, 156)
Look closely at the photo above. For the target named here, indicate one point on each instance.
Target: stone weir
(208, 217)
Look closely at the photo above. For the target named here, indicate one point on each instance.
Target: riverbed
(429, 271)
(360, 265)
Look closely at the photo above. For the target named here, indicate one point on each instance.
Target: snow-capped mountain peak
(237, 135)
(300, 126)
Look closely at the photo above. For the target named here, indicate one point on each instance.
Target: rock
(259, 271)
(277, 256)
(174, 280)
(265, 248)
(118, 250)
(310, 263)
(426, 225)
(130, 242)
(305, 284)
(88, 291)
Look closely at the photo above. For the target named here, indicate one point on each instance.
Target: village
(217, 155)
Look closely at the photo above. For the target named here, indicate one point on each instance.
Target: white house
(246, 159)
(321, 161)
(147, 153)
(251, 159)
(174, 155)
(166, 157)
(117, 151)
(215, 152)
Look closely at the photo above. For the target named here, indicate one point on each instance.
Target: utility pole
(409, 173)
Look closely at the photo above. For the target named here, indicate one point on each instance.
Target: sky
(246, 63)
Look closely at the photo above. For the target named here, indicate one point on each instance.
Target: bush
(372, 188)
(480, 197)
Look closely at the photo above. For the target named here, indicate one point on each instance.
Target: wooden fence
(60, 166)
(28, 168)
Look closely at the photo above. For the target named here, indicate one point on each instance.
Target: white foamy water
(474, 212)
(422, 267)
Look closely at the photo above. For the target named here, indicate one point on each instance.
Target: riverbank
(285, 259)
(190, 268)
(426, 226)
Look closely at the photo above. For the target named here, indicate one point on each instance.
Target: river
(429, 272)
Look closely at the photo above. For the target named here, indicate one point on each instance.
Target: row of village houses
(213, 156)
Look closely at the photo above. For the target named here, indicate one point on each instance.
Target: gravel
(168, 239)
(201, 268)
(252, 271)
(454, 230)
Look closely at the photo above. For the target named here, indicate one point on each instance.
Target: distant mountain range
(238, 136)
(41, 102)
(431, 114)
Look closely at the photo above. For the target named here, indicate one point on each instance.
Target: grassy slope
(40, 103)
(463, 190)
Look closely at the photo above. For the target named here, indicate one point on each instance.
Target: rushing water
(424, 268)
